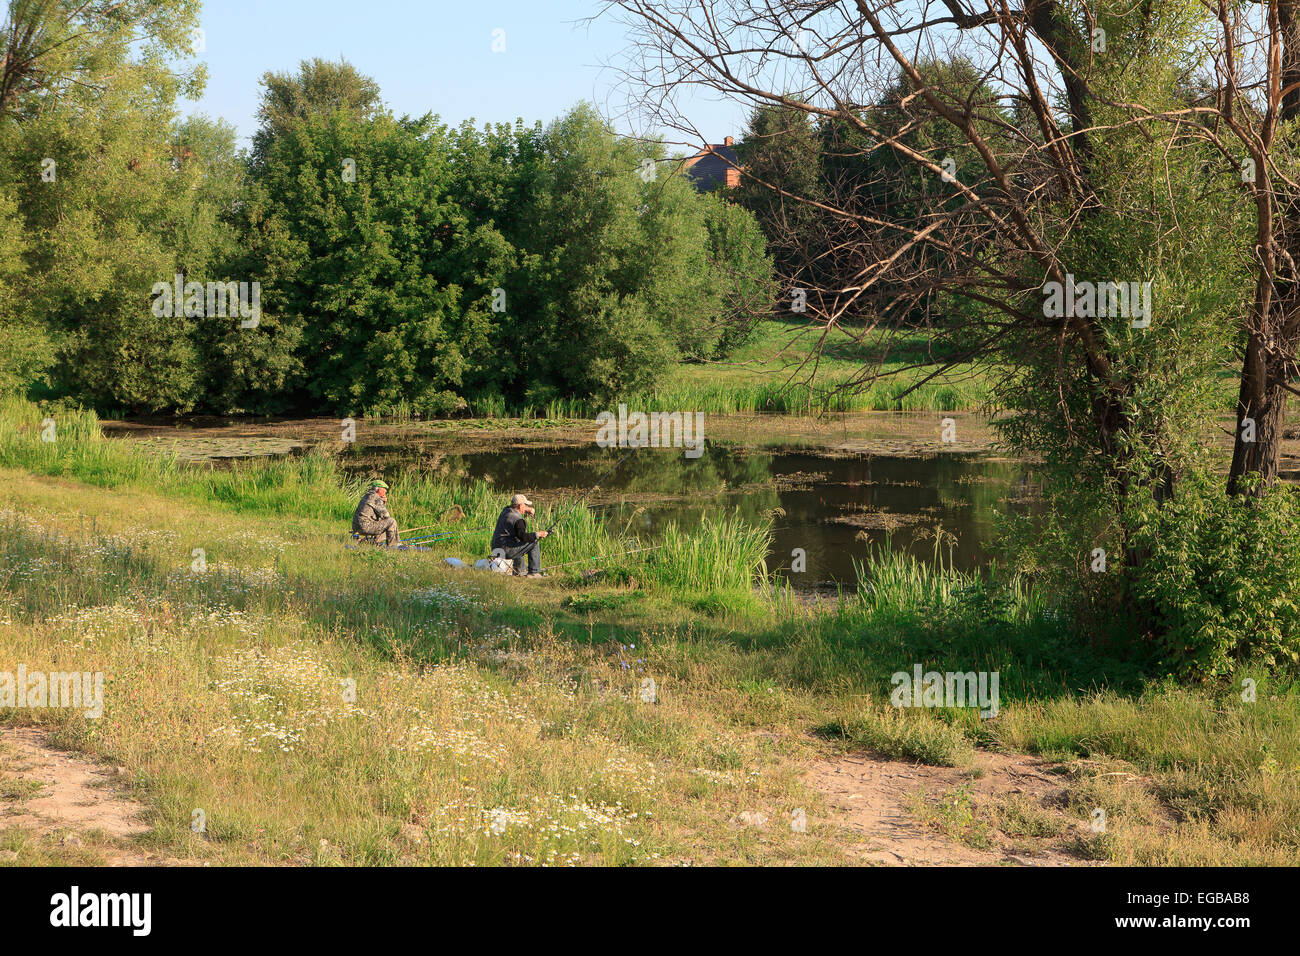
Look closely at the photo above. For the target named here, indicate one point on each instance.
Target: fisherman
(371, 520)
(514, 541)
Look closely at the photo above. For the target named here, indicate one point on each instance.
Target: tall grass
(722, 554)
(896, 581)
(725, 395)
(720, 393)
(478, 697)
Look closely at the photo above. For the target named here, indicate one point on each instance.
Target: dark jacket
(511, 530)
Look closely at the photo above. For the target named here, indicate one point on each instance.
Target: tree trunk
(1271, 348)
(1262, 401)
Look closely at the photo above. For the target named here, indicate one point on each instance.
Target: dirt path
(908, 814)
(67, 805)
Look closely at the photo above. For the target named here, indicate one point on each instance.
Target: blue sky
(431, 56)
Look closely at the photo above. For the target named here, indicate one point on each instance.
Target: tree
(25, 348)
(367, 276)
(86, 104)
(87, 111)
(740, 271)
(65, 53)
(782, 183)
(1251, 121)
(582, 314)
(319, 88)
(1087, 168)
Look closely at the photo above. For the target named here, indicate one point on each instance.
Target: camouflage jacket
(371, 512)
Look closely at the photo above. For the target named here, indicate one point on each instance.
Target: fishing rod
(574, 505)
(445, 534)
(439, 535)
(423, 527)
(435, 534)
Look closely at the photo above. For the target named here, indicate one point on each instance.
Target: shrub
(1221, 577)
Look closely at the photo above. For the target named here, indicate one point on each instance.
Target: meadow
(333, 706)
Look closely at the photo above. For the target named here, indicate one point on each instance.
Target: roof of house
(715, 165)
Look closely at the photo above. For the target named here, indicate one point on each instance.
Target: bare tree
(992, 237)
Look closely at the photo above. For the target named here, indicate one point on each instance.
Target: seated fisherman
(371, 520)
(513, 539)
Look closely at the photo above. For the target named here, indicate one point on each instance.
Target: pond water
(833, 508)
(879, 479)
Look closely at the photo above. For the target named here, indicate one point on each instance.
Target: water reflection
(834, 509)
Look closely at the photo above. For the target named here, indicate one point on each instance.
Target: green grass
(954, 815)
(887, 732)
(769, 374)
(314, 487)
(717, 556)
(484, 700)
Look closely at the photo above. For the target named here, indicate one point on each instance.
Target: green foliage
(92, 88)
(356, 271)
(588, 325)
(319, 88)
(1121, 437)
(871, 178)
(741, 272)
(1220, 577)
(620, 272)
(509, 264)
(1197, 583)
(25, 348)
(781, 150)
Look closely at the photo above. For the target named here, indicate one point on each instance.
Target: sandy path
(874, 798)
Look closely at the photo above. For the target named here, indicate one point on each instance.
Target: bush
(1220, 577)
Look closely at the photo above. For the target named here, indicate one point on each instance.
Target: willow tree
(87, 157)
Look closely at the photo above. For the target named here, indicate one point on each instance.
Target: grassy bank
(772, 373)
(314, 487)
(768, 374)
(324, 705)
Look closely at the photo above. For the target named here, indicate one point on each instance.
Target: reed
(722, 554)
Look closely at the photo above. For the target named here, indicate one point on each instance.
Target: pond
(835, 508)
(879, 480)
